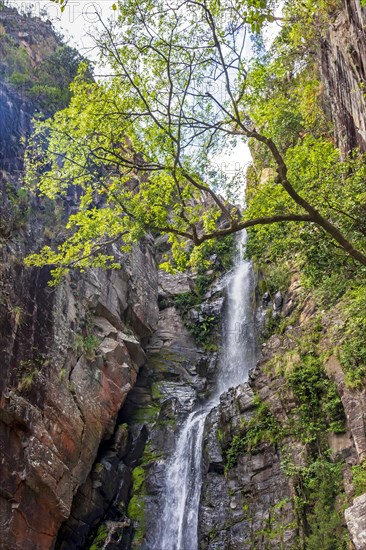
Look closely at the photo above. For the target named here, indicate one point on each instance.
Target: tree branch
(266, 220)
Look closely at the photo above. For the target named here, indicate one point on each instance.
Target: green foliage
(203, 281)
(20, 210)
(237, 447)
(91, 344)
(283, 88)
(28, 371)
(100, 538)
(319, 487)
(136, 505)
(136, 512)
(319, 410)
(18, 79)
(333, 408)
(87, 344)
(310, 20)
(146, 414)
(203, 330)
(359, 478)
(150, 455)
(271, 325)
(320, 407)
(274, 278)
(51, 79)
(17, 314)
(261, 428)
(63, 4)
(276, 527)
(138, 478)
(135, 509)
(332, 186)
(331, 288)
(352, 351)
(47, 83)
(318, 500)
(28, 379)
(212, 258)
(284, 94)
(156, 391)
(140, 150)
(62, 374)
(186, 301)
(224, 250)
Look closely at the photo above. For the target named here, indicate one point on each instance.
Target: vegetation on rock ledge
(37, 63)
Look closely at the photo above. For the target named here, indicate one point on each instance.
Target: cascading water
(179, 521)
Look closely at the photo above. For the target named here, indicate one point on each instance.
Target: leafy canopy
(138, 145)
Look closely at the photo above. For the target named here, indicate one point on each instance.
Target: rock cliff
(271, 444)
(250, 506)
(179, 372)
(98, 374)
(69, 355)
(343, 73)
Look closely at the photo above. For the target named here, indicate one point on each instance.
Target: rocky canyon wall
(96, 374)
(343, 74)
(70, 355)
(268, 438)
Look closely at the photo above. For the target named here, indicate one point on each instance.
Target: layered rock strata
(343, 74)
(70, 356)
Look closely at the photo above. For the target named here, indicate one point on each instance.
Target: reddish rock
(51, 426)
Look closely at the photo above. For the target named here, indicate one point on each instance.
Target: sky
(78, 19)
(78, 23)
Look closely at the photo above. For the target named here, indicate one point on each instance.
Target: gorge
(177, 527)
(220, 406)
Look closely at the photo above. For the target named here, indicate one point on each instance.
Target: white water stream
(179, 516)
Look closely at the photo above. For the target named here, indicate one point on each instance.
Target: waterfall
(179, 519)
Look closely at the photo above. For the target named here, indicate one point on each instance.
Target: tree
(50, 80)
(138, 145)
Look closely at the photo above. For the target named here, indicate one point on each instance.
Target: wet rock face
(170, 385)
(343, 73)
(253, 498)
(164, 391)
(70, 358)
(105, 490)
(16, 113)
(33, 40)
(69, 355)
(178, 371)
(173, 371)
